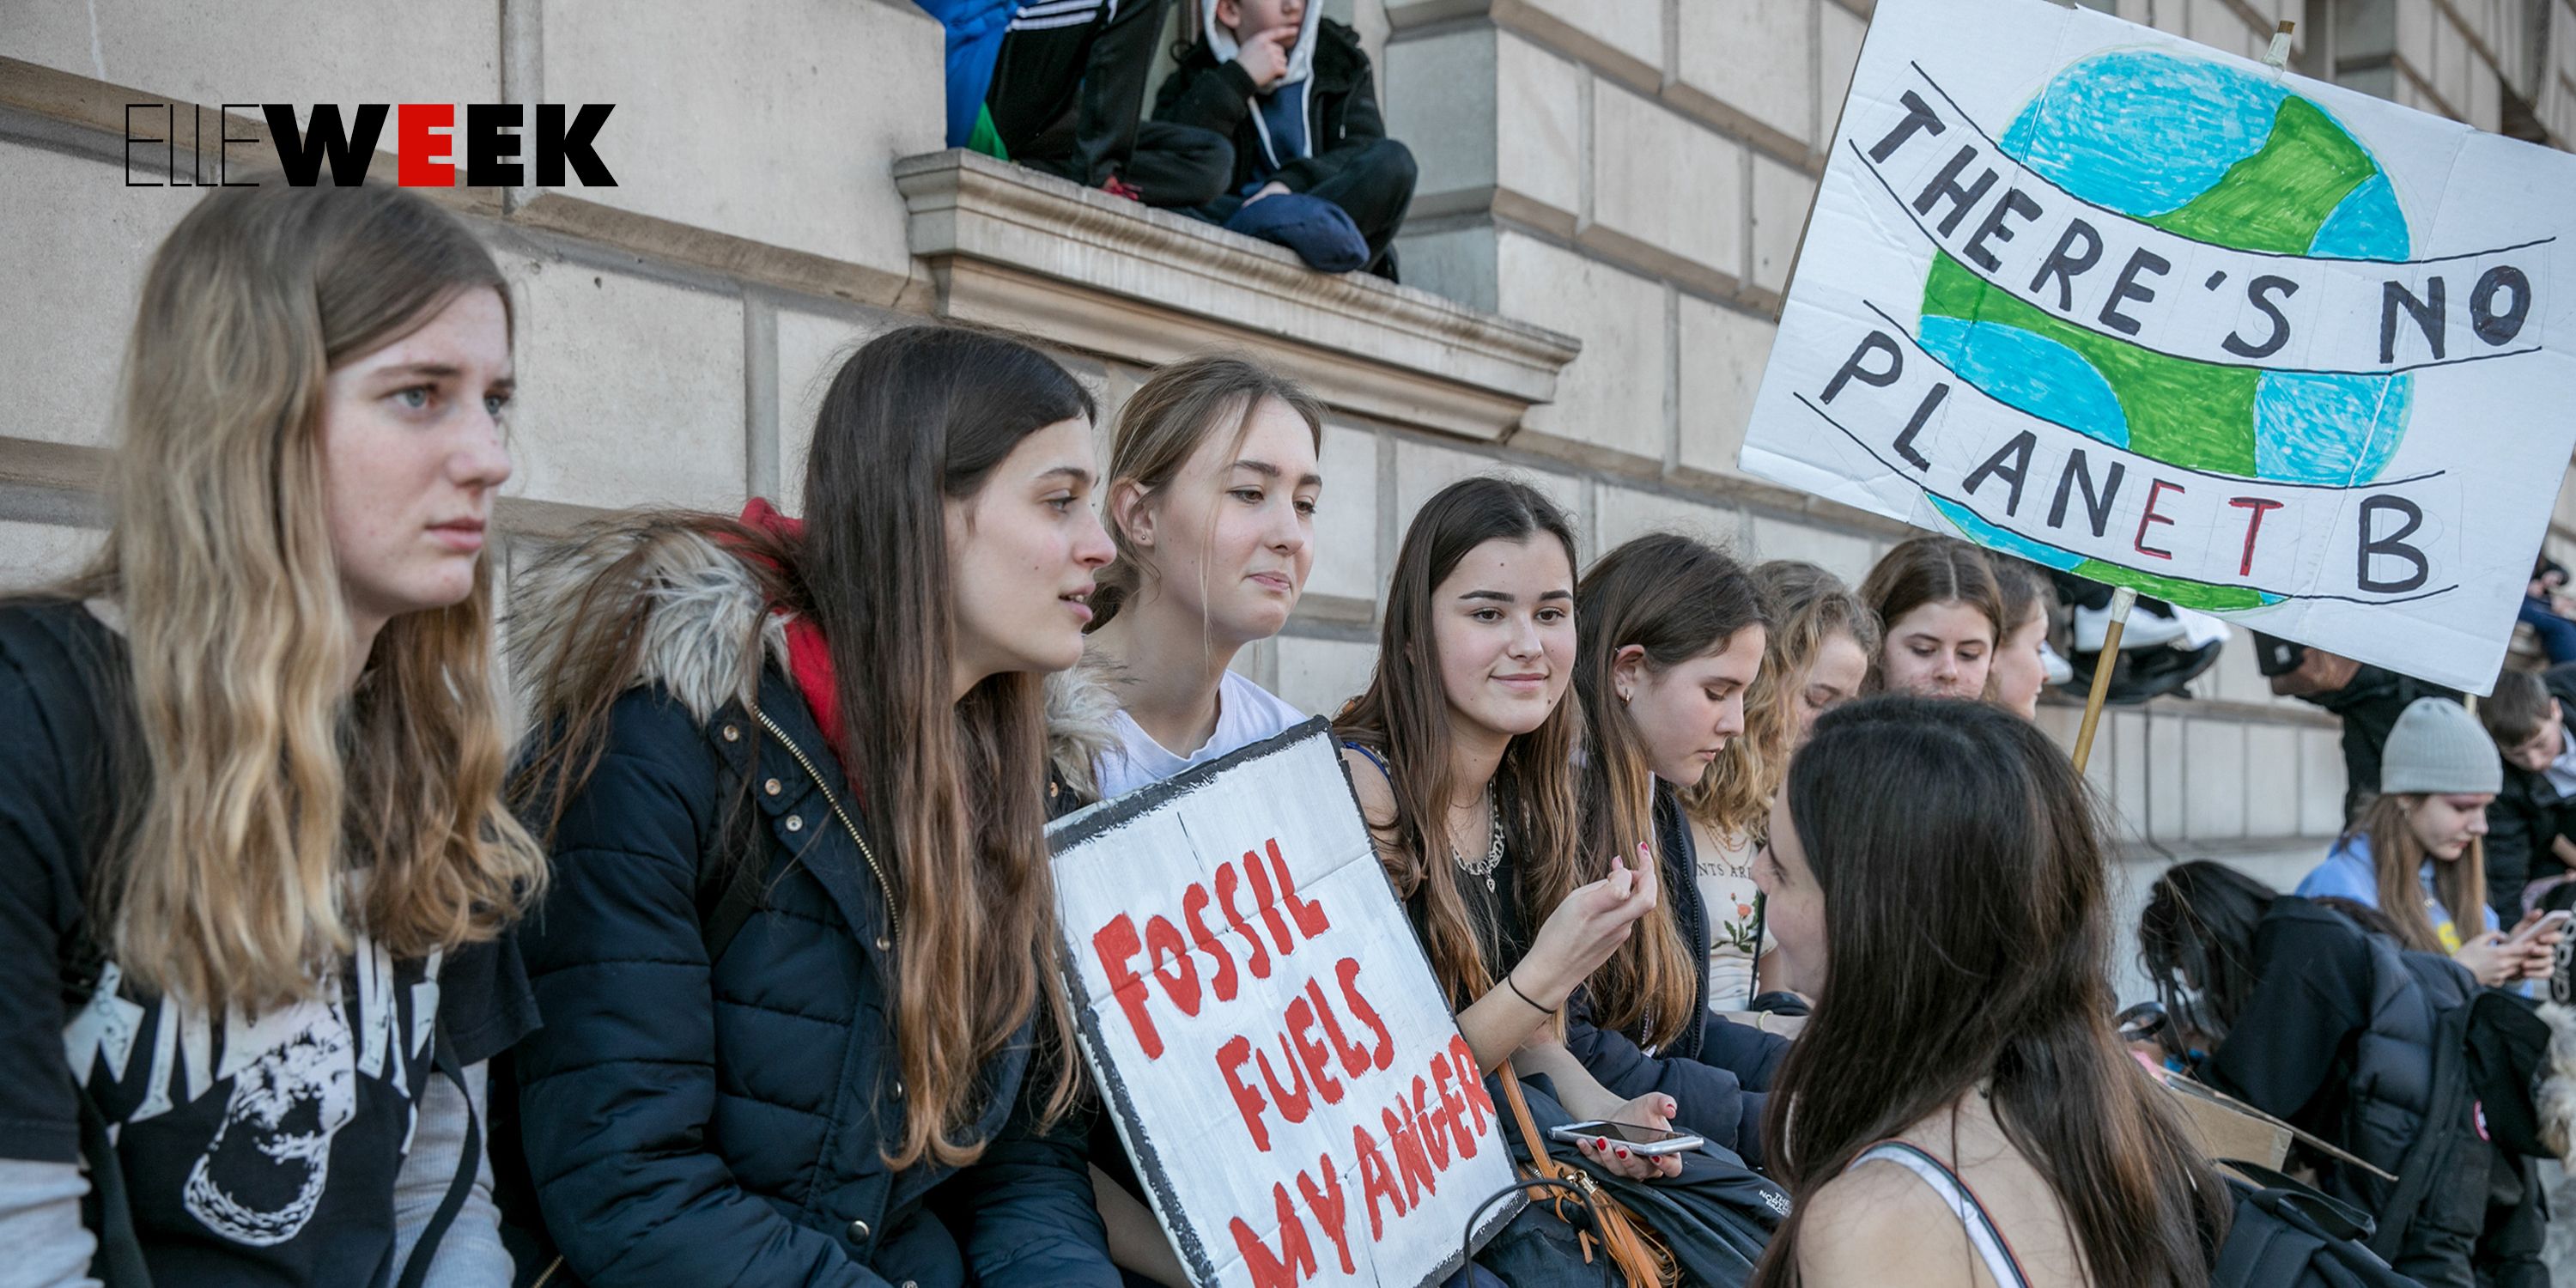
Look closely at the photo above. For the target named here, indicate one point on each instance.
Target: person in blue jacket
(1059, 86)
(797, 965)
(2409, 854)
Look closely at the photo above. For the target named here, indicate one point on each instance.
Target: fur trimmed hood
(698, 607)
(2554, 1091)
(1079, 704)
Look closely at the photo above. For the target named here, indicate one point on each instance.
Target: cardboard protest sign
(2133, 308)
(1277, 1056)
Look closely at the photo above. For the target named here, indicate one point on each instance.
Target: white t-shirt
(1246, 713)
(1726, 887)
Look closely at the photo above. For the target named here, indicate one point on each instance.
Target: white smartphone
(2554, 921)
(1649, 1141)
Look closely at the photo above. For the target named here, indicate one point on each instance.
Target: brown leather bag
(1629, 1242)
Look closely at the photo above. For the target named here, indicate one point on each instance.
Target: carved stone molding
(1010, 247)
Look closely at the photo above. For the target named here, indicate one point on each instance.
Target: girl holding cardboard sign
(798, 968)
(1213, 485)
(1461, 750)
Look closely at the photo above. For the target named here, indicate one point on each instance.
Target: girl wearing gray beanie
(2409, 855)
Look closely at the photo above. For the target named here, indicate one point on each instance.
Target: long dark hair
(1678, 599)
(2197, 933)
(949, 792)
(1404, 715)
(1968, 942)
(916, 419)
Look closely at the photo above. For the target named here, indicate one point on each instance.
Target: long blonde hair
(1806, 606)
(2397, 871)
(264, 782)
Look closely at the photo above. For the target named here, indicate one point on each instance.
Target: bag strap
(416, 1266)
(118, 1263)
(1630, 1245)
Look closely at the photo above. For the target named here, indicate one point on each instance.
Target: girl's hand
(1584, 930)
(1650, 1110)
(2490, 959)
(1264, 58)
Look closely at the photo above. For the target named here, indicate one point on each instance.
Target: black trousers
(1068, 98)
(1374, 187)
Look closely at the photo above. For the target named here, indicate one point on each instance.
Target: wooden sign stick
(2122, 600)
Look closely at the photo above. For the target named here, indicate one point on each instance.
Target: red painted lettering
(1248, 1102)
(1331, 1208)
(1295, 1100)
(1348, 972)
(1296, 1258)
(1227, 882)
(2149, 515)
(1355, 1058)
(1479, 1101)
(1428, 1127)
(2253, 524)
(1308, 914)
(1267, 902)
(1453, 1107)
(1410, 1162)
(1115, 945)
(1311, 1051)
(1194, 902)
(1172, 964)
(1377, 1182)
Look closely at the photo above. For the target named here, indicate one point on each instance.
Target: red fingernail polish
(1623, 1153)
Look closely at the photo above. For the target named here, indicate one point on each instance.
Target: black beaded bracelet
(1516, 992)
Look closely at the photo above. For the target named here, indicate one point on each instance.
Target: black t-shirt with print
(256, 1148)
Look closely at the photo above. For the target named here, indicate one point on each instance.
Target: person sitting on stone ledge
(1059, 86)
(1313, 168)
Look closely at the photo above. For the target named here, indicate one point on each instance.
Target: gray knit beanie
(2438, 746)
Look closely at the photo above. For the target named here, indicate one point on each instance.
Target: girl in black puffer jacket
(803, 1024)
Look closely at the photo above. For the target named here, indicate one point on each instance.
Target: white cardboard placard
(2152, 313)
(1265, 1031)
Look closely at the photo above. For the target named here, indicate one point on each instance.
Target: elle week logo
(430, 148)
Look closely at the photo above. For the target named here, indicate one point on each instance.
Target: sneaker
(2057, 669)
(2146, 629)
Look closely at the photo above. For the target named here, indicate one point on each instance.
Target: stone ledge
(1010, 247)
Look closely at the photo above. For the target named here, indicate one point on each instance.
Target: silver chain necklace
(1493, 855)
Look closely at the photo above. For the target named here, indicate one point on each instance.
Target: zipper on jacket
(894, 919)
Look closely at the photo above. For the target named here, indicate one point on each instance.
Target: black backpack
(2286, 1235)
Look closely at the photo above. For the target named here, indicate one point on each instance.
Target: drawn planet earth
(2219, 155)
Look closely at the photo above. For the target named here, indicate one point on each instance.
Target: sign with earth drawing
(2163, 317)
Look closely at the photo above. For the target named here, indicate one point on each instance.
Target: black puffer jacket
(1342, 112)
(2361, 1043)
(695, 1122)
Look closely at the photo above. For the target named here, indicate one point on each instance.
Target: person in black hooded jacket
(2316, 1021)
(798, 964)
(1313, 167)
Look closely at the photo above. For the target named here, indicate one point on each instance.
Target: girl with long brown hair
(799, 964)
(1462, 752)
(1670, 635)
(1960, 1111)
(250, 821)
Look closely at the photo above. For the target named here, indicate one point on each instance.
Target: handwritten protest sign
(2136, 309)
(1277, 1056)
